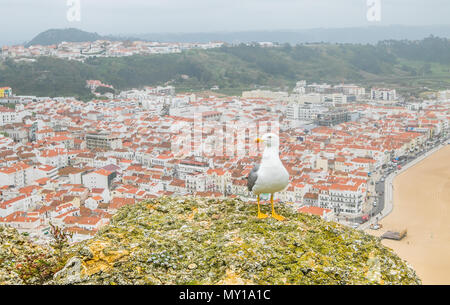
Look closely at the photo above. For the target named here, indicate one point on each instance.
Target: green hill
(55, 36)
(406, 65)
(217, 241)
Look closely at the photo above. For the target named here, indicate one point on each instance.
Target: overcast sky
(21, 20)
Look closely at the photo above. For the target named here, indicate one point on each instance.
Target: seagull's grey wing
(251, 179)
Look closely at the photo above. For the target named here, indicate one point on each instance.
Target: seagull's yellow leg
(261, 215)
(275, 215)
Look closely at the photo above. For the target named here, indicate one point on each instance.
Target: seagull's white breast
(272, 177)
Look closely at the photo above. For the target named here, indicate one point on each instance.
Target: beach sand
(422, 206)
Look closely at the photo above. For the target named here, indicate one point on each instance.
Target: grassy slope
(235, 69)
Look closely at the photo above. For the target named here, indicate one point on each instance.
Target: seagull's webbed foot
(277, 216)
(262, 215)
(274, 214)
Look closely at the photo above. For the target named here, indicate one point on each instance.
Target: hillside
(220, 241)
(405, 65)
(56, 36)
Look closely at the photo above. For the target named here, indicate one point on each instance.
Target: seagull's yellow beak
(258, 140)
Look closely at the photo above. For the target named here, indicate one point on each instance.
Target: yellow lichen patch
(114, 256)
(181, 217)
(93, 267)
(232, 278)
(102, 258)
(205, 224)
(238, 240)
(97, 246)
(194, 211)
(326, 261)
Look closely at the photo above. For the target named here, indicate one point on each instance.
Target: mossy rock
(23, 262)
(221, 241)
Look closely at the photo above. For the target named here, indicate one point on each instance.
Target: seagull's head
(269, 140)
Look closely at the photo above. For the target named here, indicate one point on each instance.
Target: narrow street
(383, 195)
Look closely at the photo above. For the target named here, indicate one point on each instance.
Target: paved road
(386, 188)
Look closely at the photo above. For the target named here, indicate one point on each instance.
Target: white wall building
(7, 116)
(18, 175)
(383, 94)
(98, 179)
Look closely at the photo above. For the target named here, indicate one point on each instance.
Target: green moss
(217, 241)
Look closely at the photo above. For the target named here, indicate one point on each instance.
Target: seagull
(270, 176)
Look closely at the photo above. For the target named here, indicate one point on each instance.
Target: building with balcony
(102, 140)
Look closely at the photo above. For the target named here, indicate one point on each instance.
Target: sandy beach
(422, 206)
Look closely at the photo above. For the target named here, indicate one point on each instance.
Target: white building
(197, 182)
(18, 175)
(383, 94)
(311, 98)
(300, 112)
(300, 87)
(280, 95)
(337, 98)
(45, 171)
(21, 203)
(347, 199)
(7, 116)
(98, 179)
(351, 90)
(54, 157)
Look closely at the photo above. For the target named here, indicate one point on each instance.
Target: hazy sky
(22, 19)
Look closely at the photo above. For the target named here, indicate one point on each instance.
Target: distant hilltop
(56, 36)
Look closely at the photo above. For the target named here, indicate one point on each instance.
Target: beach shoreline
(422, 207)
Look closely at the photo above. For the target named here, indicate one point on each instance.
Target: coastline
(421, 193)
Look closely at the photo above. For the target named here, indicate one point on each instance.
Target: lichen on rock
(207, 241)
(220, 241)
(23, 262)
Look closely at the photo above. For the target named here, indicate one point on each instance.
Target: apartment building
(332, 118)
(383, 94)
(102, 140)
(347, 199)
(99, 179)
(7, 116)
